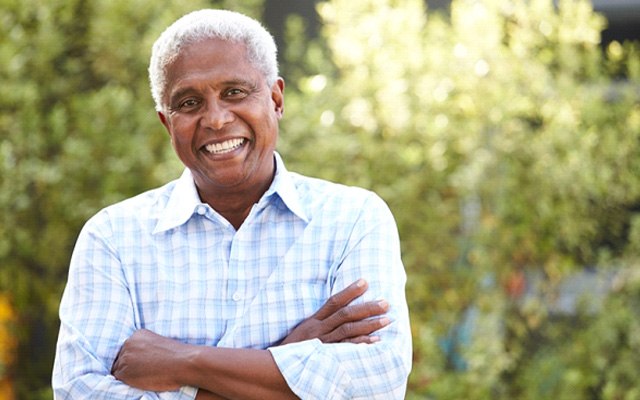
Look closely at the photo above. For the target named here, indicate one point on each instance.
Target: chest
(249, 288)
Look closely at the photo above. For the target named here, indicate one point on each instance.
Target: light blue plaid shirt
(169, 263)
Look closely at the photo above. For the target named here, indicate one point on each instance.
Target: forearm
(234, 374)
(207, 395)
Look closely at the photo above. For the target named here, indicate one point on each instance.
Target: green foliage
(506, 141)
(597, 358)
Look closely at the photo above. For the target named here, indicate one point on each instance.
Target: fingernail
(361, 282)
(374, 339)
(383, 303)
(384, 321)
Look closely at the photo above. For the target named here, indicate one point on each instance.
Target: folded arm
(155, 363)
(321, 369)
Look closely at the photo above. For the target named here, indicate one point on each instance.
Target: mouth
(225, 147)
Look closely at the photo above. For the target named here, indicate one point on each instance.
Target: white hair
(211, 24)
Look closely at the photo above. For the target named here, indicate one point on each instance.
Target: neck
(235, 205)
(234, 209)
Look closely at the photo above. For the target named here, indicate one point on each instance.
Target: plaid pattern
(166, 262)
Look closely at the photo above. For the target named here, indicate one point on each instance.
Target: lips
(225, 147)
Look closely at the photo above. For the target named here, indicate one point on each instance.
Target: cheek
(269, 128)
(182, 146)
(181, 132)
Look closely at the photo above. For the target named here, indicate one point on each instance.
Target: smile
(224, 147)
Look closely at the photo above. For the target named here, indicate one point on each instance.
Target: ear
(164, 120)
(277, 95)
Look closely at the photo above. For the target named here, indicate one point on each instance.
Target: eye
(189, 103)
(235, 93)
(185, 105)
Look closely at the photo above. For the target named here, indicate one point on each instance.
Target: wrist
(189, 366)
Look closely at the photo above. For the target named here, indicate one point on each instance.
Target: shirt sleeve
(315, 370)
(96, 316)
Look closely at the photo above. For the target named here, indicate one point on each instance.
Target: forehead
(211, 61)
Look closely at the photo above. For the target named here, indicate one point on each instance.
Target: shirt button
(201, 210)
(236, 296)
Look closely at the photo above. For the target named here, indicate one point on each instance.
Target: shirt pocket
(276, 310)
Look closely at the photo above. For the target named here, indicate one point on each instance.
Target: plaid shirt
(167, 262)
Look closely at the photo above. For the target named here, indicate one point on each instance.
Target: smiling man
(240, 279)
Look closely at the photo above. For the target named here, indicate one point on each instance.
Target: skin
(215, 95)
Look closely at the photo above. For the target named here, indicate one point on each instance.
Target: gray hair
(211, 24)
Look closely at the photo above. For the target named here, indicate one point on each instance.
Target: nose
(216, 114)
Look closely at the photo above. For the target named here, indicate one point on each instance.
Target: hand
(147, 361)
(337, 321)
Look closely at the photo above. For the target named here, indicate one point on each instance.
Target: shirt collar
(184, 198)
(284, 185)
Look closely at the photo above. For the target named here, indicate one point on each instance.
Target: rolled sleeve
(314, 370)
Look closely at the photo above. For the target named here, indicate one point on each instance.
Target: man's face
(222, 117)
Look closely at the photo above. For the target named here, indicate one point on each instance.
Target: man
(239, 280)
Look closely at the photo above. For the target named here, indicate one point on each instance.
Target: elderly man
(240, 279)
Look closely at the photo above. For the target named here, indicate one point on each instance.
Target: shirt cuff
(310, 371)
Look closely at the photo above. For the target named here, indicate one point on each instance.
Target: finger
(356, 313)
(352, 330)
(341, 299)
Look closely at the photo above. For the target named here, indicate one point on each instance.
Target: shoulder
(318, 189)
(138, 212)
(322, 196)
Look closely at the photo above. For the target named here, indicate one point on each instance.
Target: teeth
(224, 147)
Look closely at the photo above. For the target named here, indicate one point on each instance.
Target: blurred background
(505, 136)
